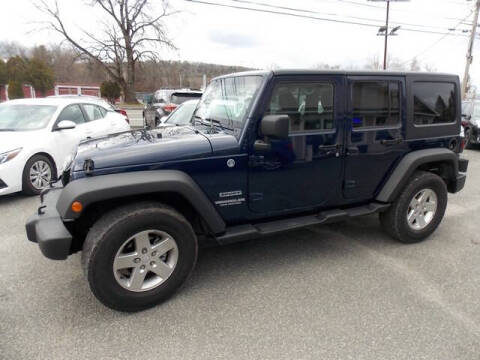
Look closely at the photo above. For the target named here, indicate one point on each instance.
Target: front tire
(38, 172)
(418, 210)
(138, 255)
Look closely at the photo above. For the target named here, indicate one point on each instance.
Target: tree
(3, 73)
(16, 69)
(110, 90)
(40, 75)
(15, 90)
(131, 35)
(415, 65)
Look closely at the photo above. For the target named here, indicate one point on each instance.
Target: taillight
(462, 144)
(170, 107)
(124, 113)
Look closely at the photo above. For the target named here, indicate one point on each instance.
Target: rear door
(98, 124)
(375, 136)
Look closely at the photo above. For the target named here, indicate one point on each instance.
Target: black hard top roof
(336, 72)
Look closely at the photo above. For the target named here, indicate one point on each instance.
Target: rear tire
(115, 238)
(418, 210)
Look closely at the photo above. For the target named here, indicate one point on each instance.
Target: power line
(258, 3)
(383, 8)
(274, 12)
(437, 41)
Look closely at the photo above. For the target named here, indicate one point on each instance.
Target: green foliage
(17, 69)
(3, 73)
(40, 75)
(15, 90)
(110, 90)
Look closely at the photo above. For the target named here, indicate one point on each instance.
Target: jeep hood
(141, 147)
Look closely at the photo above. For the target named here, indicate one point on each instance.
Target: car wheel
(467, 138)
(418, 210)
(38, 172)
(138, 255)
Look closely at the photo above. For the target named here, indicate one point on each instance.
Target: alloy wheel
(146, 260)
(422, 209)
(40, 174)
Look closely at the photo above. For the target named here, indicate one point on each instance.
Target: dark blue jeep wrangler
(265, 152)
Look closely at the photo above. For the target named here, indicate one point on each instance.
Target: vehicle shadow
(11, 198)
(302, 247)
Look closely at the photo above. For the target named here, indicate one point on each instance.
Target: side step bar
(249, 231)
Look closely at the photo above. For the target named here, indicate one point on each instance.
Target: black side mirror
(275, 126)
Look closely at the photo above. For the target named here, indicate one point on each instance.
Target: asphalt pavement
(339, 291)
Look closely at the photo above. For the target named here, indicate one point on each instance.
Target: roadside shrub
(40, 75)
(110, 90)
(15, 90)
(3, 73)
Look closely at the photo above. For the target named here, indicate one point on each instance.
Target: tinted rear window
(434, 103)
(375, 103)
(179, 98)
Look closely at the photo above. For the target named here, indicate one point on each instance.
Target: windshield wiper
(208, 121)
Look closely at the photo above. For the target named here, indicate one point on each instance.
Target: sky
(229, 36)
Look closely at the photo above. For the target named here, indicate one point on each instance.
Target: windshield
(182, 115)
(226, 102)
(21, 117)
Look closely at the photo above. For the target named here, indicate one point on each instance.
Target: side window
(375, 104)
(93, 111)
(434, 103)
(309, 105)
(72, 113)
(103, 111)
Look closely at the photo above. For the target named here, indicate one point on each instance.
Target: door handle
(352, 150)
(391, 142)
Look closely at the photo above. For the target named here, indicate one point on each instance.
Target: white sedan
(37, 136)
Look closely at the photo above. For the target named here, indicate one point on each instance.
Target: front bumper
(47, 229)
(11, 176)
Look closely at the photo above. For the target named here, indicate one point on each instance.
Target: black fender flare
(407, 166)
(93, 189)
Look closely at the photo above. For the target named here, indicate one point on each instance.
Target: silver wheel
(422, 209)
(145, 260)
(40, 174)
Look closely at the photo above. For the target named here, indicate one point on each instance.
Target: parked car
(38, 135)
(269, 152)
(181, 116)
(98, 100)
(163, 102)
(471, 122)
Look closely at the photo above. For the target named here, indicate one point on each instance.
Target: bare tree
(133, 34)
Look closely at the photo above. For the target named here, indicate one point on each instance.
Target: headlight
(9, 155)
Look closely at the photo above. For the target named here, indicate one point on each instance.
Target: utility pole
(473, 33)
(383, 31)
(386, 37)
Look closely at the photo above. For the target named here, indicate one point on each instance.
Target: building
(59, 89)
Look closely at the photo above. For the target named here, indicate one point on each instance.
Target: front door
(303, 171)
(374, 135)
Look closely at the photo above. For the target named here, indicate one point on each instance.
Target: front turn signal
(77, 206)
